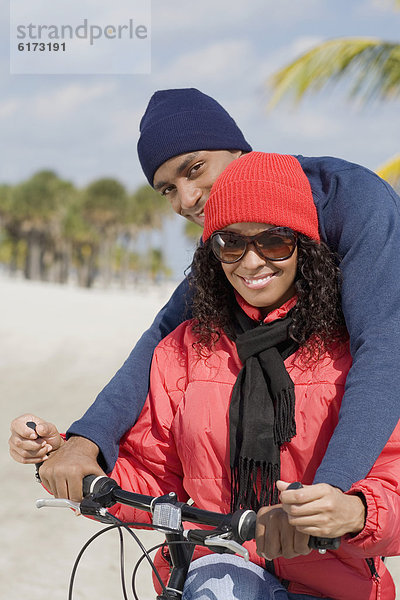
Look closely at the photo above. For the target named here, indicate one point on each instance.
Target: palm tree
(35, 209)
(10, 230)
(158, 268)
(147, 210)
(372, 65)
(193, 231)
(390, 171)
(82, 241)
(104, 207)
(47, 226)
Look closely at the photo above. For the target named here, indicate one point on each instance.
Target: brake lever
(216, 539)
(59, 503)
(223, 541)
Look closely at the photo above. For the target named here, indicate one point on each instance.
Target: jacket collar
(254, 313)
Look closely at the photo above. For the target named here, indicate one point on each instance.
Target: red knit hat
(262, 188)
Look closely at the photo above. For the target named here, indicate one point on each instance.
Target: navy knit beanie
(184, 120)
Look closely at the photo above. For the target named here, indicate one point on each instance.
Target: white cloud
(221, 61)
(9, 108)
(97, 11)
(377, 6)
(309, 124)
(124, 124)
(303, 44)
(67, 100)
(217, 15)
(283, 55)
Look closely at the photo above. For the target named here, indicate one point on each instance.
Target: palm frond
(373, 65)
(192, 231)
(390, 171)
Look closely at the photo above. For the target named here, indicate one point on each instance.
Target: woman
(245, 397)
(221, 425)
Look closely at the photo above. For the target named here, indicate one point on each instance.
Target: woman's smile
(259, 282)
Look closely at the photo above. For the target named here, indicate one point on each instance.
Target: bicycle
(229, 531)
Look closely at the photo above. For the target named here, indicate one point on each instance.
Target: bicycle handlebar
(242, 522)
(106, 492)
(101, 492)
(228, 535)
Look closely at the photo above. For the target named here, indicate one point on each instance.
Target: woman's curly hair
(317, 318)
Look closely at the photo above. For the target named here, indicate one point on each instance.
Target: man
(186, 140)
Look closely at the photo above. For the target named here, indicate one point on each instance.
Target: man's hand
(276, 537)
(322, 510)
(28, 447)
(65, 463)
(63, 471)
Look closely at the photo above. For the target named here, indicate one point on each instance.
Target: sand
(59, 347)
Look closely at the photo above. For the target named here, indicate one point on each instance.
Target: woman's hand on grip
(276, 537)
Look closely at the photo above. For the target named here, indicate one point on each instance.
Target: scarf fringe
(253, 484)
(284, 423)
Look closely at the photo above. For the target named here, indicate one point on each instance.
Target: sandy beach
(59, 347)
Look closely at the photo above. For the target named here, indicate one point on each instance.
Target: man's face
(186, 180)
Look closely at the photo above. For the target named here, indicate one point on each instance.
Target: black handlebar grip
(87, 482)
(244, 524)
(97, 484)
(318, 543)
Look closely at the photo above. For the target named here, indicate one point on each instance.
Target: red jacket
(180, 443)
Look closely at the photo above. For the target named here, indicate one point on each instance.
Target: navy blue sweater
(359, 219)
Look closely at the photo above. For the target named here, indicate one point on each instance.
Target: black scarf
(261, 414)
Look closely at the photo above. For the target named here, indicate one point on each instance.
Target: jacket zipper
(372, 568)
(270, 567)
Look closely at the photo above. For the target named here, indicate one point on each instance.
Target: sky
(86, 126)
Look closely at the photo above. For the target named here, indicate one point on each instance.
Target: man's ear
(237, 153)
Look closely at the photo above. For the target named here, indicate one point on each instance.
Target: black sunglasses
(277, 243)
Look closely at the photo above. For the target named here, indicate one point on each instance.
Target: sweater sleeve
(119, 404)
(359, 218)
(148, 461)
